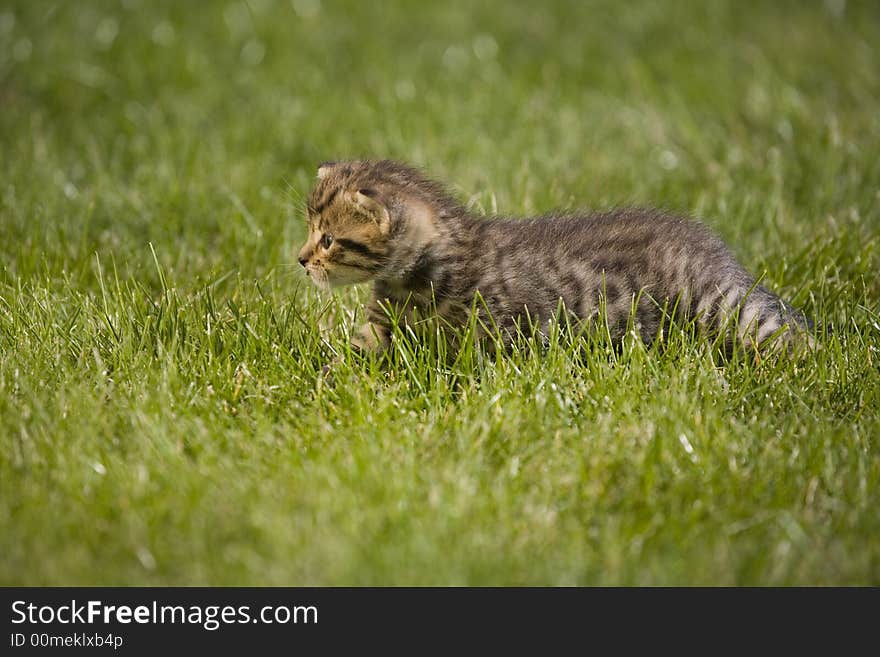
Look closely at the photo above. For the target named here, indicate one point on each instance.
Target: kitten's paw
(326, 376)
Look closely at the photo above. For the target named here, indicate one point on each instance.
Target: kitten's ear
(369, 201)
(324, 169)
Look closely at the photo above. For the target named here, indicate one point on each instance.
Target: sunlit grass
(162, 417)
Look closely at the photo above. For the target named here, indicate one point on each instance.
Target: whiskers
(294, 195)
(293, 271)
(288, 270)
(316, 275)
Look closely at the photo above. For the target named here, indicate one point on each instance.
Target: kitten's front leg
(375, 335)
(372, 337)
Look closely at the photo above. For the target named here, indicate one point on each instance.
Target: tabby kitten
(426, 254)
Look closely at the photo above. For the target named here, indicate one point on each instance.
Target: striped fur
(425, 253)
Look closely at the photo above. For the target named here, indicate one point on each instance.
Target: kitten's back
(645, 260)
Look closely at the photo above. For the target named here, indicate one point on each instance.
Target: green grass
(160, 421)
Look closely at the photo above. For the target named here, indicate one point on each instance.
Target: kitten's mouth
(318, 276)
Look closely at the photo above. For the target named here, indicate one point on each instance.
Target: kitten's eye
(327, 240)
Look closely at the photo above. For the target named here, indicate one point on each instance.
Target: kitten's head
(366, 220)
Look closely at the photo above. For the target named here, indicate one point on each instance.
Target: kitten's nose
(303, 261)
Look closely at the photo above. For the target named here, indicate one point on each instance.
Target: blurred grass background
(159, 420)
